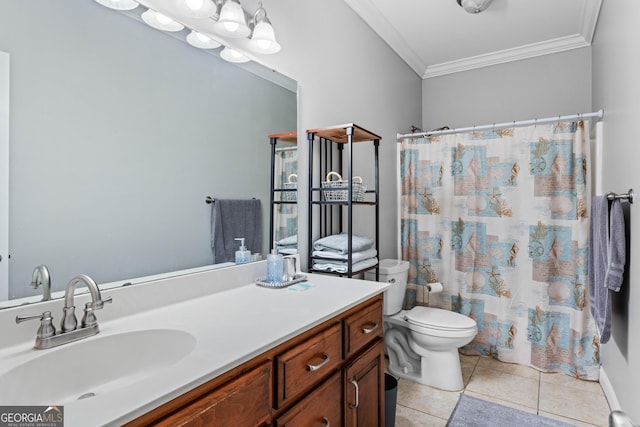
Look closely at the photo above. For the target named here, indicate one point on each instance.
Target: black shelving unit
(290, 138)
(331, 150)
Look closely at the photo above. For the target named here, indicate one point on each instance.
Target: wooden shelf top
(339, 133)
(285, 136)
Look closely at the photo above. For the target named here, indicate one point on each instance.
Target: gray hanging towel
(617, 247)
(606, 260)
(231, 219)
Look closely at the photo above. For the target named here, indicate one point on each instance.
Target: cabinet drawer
(244, 401)
(306, 364)
(362, 327)
(321, 407)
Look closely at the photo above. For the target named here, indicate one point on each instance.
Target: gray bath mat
(472, 412)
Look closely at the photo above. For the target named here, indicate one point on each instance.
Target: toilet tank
(392, 271)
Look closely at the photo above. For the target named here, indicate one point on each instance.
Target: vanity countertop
(230, 327)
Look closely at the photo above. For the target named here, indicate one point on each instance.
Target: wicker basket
(341, 195)
(291, 184)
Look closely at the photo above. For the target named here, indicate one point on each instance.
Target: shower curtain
(286, 216)
(500, 218)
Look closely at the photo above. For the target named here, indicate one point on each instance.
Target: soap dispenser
(243, 255)
(275, 263)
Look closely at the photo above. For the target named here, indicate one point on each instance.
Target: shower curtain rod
(599, 114)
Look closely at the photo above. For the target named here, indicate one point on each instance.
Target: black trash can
(390, 399)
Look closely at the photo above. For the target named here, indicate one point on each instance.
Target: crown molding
(375, 19)
(508, 55)
(367, 10)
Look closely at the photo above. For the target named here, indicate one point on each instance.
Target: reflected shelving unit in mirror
(284, 192)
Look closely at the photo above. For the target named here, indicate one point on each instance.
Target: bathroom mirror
(119, 132)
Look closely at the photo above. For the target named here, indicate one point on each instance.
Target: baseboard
(609, 392)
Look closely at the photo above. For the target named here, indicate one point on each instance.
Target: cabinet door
(364, 389)
(320, 408)
(245, 401)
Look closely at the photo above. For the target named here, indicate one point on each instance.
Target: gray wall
(346, 73)
(615, 88)
(544, 86)
(118, 132)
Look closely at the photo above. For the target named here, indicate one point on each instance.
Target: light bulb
(163, 19)
(194, 5)
(161, 22)
(201, 41)
(231, 55)
(263, 39)
(232, 27)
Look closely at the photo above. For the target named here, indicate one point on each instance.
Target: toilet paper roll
(434, 287)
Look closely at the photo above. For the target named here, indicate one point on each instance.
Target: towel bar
(628, 196)
(208, 200)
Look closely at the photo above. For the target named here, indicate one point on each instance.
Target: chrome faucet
(41, 277)
(47, 337)
(69, 320)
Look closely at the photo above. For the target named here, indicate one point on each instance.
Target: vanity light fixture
(232, 21)
(201, 41)
(119, 4)
(474, 6)
(234, 56)
(161, 22)
(196, 8)
(263, 39)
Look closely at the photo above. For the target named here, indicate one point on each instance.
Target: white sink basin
(94, 366)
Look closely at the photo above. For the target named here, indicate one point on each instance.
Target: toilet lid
(439, 319)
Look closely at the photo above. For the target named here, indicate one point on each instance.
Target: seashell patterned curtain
(500, 217)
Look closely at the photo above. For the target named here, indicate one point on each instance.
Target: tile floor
(511, 385)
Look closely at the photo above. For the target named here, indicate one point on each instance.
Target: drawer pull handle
(319, 365)
(373, 327)
(355, 384)
(326, 421)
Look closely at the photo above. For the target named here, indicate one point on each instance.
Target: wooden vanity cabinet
(332, 375)
(241, 402)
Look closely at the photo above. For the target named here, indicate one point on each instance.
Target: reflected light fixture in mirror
(474, 6)
(202, 41)
(263, 39)
(232, 22)
(196, 8)
(161, 22)
(232, 55)
(119, 4)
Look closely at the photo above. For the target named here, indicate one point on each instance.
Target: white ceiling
(437, 37)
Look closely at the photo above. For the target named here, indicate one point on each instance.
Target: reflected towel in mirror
(231, 219)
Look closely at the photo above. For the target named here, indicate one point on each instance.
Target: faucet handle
(97, 305)
(46, 328)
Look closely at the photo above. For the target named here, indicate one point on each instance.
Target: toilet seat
(437, 319)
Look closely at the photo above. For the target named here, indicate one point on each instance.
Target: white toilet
(422, 343)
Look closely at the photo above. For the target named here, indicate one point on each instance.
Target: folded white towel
(356, 256)
(342, 267)
(288, 250)
(289, 241)
(340, 243)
